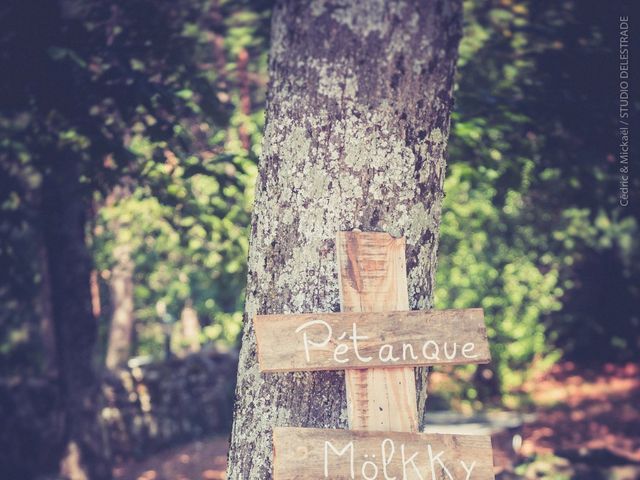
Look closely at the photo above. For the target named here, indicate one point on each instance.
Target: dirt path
(200, 460)
(583, 415)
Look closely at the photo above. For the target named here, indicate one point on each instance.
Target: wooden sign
(377, 341)
(340, 341)
(372, 276)
(343, 454)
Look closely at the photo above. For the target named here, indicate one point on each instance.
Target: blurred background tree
(130, 132)
(165, 104)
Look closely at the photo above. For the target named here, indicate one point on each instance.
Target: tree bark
(121, 287)
(355, 138)
(64, 223)
(189, 333)
(118, 348)
(46, 314)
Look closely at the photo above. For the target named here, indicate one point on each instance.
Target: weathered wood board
(337, 341)
(306, 453)
(372, 275)
(377, 341)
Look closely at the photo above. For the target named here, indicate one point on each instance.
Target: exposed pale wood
(299, 453)
(435, 337)
(373, 278)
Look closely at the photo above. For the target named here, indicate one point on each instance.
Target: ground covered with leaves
(587, 426)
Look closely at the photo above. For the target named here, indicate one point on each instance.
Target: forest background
(146, 117)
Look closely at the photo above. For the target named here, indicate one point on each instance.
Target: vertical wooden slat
(373, 278)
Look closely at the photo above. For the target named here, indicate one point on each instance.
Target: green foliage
(488, 258)
(192, 254)
(530, 227)
(164, 98)
(546, 466)
(187, 225)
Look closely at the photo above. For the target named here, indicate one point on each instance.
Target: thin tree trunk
(96, 304)
(64, 223)
(189, 329)
(121, 328)
(357, 124)
(245, 97)
(47, 332)
(118, 348)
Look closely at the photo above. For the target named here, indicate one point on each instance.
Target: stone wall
(146, 407)
(159, 404)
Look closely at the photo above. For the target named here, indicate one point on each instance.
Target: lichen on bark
(355, 138)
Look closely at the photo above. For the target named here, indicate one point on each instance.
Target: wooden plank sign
(372, 276)
(340, 341)
(343, 454)
(377, 341)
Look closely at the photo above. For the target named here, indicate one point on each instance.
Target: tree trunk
(357, 124)
(120, 286)
(47, 331)
(64, 222)
(189, 329)
(121, 328)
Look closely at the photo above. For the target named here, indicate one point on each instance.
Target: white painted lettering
(446, 353)
(327, 445)
(355, 337)
(387, 456)
(310, 343)
(411, 461)
(468, 469)
(386, 354)
(407, 347)
(436, 350)
(341, 350)
(366, 466)
(432, 461)
(467, 349)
